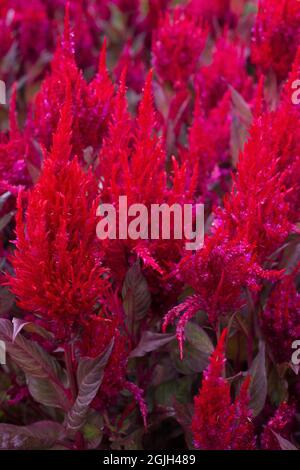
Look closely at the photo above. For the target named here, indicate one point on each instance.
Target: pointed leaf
(18, 326)
(136, 294)
(284, 443)
(198, 338)
(151, 341)
(40, 435)
(259, 385)
(35, 363)
(89, 377)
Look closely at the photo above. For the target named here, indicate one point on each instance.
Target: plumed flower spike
(14, 149)
(91, 103)
(217, 362)
(68, 35)
(61, 144)
(176, 47)
(276, 36)
(282, 423)
(219, 424)
(146, 116)
(58, 273)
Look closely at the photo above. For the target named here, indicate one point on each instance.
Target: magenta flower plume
(217, 422)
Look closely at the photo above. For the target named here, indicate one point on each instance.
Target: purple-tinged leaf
(18, 324)
(259, 384)
(198, 338)
(40, 435)
(89, 377)
(151, 341)
(37, 366)
(136, 294)
(284, 443)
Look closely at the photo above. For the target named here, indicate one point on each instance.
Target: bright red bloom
(176, 47)
(276, 36)
(33, 28)
(208, 144)
(133, 62)
(58, 273)
(258, 215)
(132, 163)
(213, 80)
(97, 333)
(281, 423)
(91, 102)
(280, 319)
(219, 424)
(14, 150)
(217, 11)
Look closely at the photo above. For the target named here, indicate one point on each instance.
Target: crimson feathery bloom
(132, 163)
(276, 36)
(245, 233)
(176, 47)
(255, 221)
(6, 35)
(97, 334)
(91, 102)
(280, 320)
(217, 11)
(281, 423)
(33, 29)
(14, 149)
(133, 61)
(208, 144)
(213, 80)
(219, 424)
(58, 273)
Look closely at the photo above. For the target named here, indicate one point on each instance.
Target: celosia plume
(217, 422)
(58, 273)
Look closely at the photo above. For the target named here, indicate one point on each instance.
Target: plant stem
(70, 370)
(79, 439)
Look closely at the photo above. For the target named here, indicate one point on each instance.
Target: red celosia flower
(282, 423)
(97, 333)
(280, 319)
(276, 36)
(208, 144)
(258, 215)
(6, 36)
(132, 163)
(213, 10)
(14, 149)
(133, 62)
(91, 102)
(219, 424)
(217, 273)
(58, 273)
(213, 80)
(176, 48)
(33, 29)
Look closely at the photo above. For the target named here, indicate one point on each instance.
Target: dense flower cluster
(276, 36)
(217, 423)
(174, 103)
